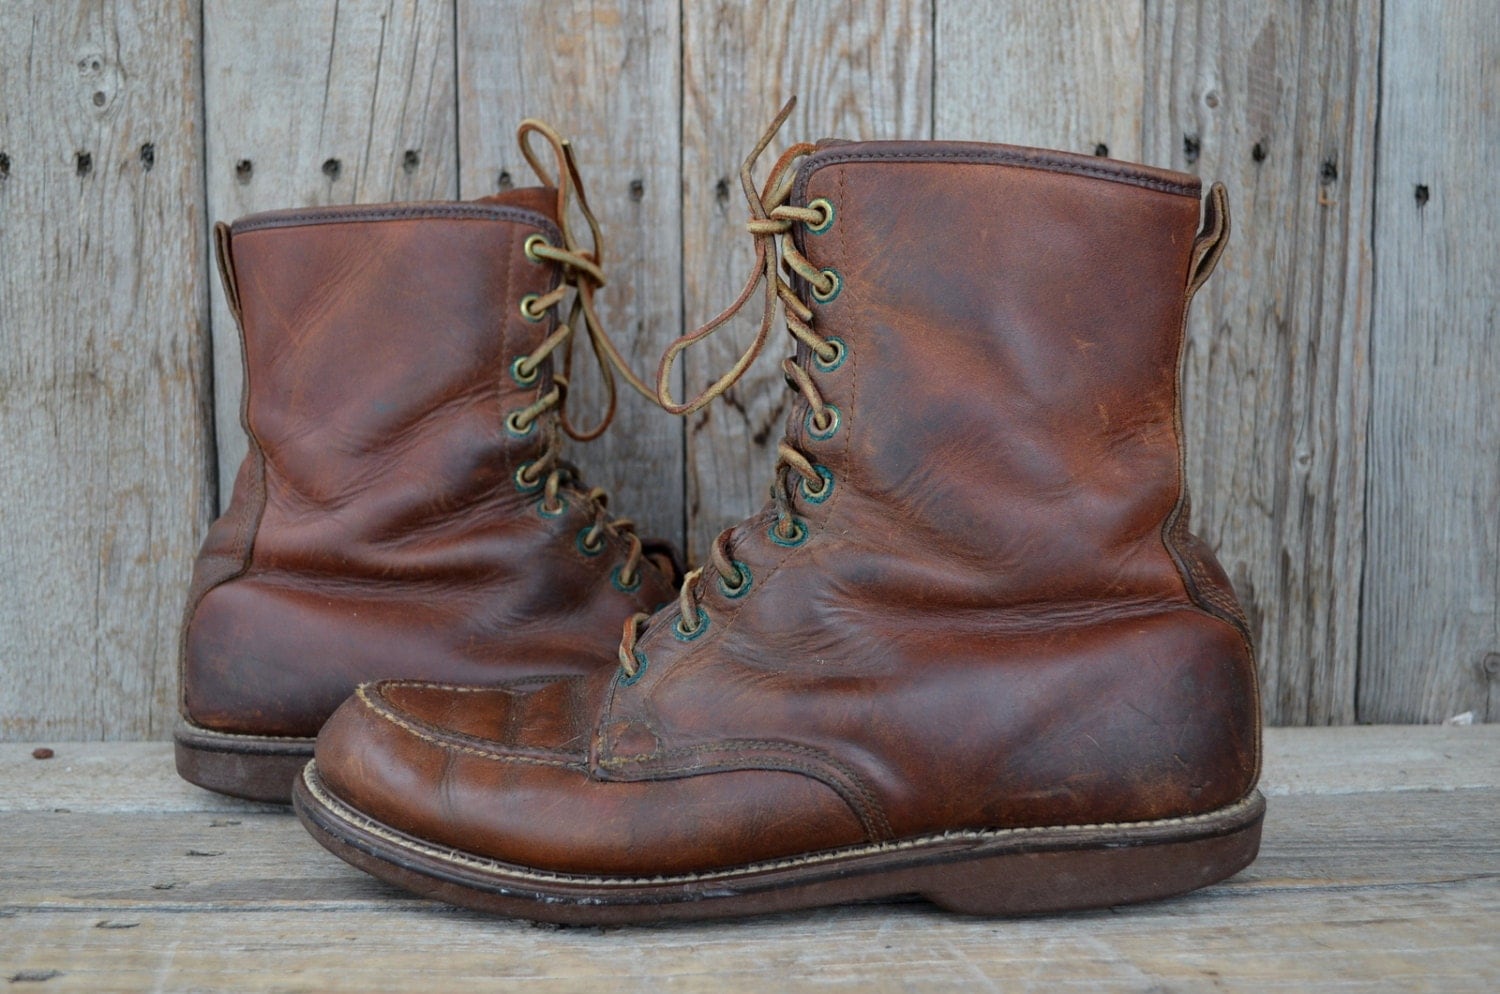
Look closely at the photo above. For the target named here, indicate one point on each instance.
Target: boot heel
(1110, 874)
(255, 767)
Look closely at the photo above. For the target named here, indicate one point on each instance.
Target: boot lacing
(582, 275)
(771, 219)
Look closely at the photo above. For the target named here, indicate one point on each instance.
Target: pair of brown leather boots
(968, 651)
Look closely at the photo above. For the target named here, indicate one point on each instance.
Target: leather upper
(377, 527)
(997, 617)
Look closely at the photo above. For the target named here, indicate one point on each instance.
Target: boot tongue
(540, 199)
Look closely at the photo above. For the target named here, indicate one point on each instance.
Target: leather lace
(582, 275)
(777, 260)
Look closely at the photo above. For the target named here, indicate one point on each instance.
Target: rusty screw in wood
(1192, 146)
(504, 181)
(242, 170)
(83, 163)
(332, 168)
(411, 160)
(1423, 195)
(42, 752)
(1329, 172)
(1259, 151)
(1101, 150)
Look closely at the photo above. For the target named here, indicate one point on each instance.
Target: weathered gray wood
(1354, 891)
(605, 75)
(857, 76)
(1064, 76)
(104, 391)
(319, 102)
(1432, 579)
(1278, 100)
(113, 777)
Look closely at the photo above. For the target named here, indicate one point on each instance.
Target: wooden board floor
(1380, 871)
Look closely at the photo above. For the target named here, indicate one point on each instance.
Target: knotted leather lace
(582, 275)
(771, 219)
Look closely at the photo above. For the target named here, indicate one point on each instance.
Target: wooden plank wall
(1341, 371)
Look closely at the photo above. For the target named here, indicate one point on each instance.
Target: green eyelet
(743, 588)
(828, 215)
(526, 309)
(834, 291)
(799, 534)
(519, 375)
(624, 588)
(683, 635)
(532, 241)
(547, 512)
(513, 425)
(640, 670)
(842, 353)
(520, 478)
(583, 545)
(819, 496)
(826, 433)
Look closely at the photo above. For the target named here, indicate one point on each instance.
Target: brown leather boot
(403, 510)
(969, 651)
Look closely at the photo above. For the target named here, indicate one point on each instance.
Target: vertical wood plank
(1278, 100)
(1432, 576)
(861, 71)
(104, 387)
(1065, 76)
(317, 102)
(606, 75)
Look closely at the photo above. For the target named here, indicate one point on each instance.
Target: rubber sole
(1003, 872)
(255, 767)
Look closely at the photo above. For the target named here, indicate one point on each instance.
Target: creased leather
(376, 528)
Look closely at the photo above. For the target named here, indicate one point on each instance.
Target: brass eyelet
(823, 434)
(641, 662)
(514, 426)
(684, 634)
(520, 375)
(622, 585)
(840, 353)
(833, 291)
(732, 591)
(528, 311)
(583, 542)
(822, 493)
(823, 204)
(798, 536)
(532, 241)
(551, 512)
(523, 483)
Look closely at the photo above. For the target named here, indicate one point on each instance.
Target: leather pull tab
(226, 267)
(1212, 237)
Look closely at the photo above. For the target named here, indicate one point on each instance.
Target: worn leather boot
(969, 651)
(403, 510)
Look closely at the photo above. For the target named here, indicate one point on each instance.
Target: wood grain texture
(1278, 100)
(861, 71)
(1432, 575)
(605, 75)
(319, 102)
(104, 389)
(1367, 891)
(1065, 76)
